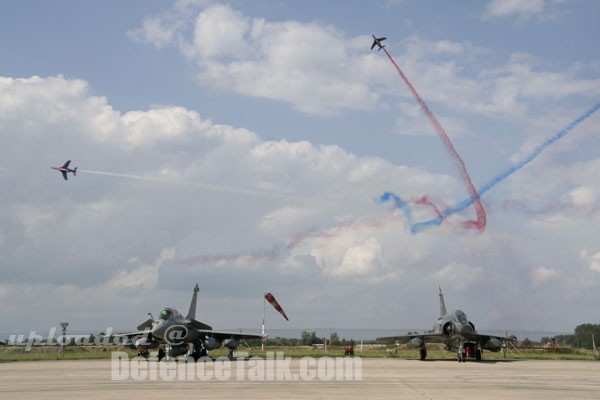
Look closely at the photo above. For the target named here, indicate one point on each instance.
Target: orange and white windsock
(271, 299)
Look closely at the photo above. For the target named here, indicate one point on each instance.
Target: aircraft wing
(65, 175)
(485, 338)
(403, 338)
(433, 335)
(130, 338)
(132, 334)
(373, 45)
(220, 335)
(440, 337)
(67, 164)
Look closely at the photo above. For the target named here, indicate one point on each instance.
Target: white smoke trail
(201, 186)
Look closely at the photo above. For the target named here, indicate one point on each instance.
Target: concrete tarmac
(368, 379)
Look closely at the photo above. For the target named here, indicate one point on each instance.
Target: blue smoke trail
(462, 205)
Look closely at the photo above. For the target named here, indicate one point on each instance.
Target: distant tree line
(306, 339)
(581, 338)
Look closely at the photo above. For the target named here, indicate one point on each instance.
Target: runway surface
(371, 379)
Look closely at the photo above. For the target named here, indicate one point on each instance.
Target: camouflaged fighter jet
(176, 333)
(458, 334)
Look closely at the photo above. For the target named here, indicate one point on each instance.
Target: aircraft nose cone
(466, 330)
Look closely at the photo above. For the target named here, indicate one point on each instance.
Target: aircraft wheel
(423, 354)
(161, 354)
(143, 353)
(478, 355)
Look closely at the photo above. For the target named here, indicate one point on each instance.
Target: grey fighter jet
(172, 335)
(458, 334)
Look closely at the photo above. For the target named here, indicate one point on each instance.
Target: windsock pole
(262, 341)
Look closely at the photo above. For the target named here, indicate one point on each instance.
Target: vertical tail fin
(442, 303)
(192, 312)
(75, 172)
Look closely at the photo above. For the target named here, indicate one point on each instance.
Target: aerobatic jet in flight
(172, 334)
(457, 333)
(65, 169)
(377, 41)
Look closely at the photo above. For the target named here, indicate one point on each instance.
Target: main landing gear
(469, 350)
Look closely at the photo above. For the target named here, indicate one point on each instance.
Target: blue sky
(278, 128)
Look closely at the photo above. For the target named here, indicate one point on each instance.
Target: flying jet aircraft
(377, 41)
(458, 334)
(176, 333)
(65, 169)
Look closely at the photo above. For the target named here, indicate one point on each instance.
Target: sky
(247, 146)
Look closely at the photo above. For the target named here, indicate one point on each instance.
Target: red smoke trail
(479, 224)
(426, 202)
(296, 240)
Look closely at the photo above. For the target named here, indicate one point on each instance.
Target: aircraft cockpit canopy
(168, 313)
(462, 317)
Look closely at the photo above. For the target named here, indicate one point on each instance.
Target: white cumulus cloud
(522, 8)
(541, 275)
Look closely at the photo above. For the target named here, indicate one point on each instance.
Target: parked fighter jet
(457, 332)
(176, 333)
(377, 41)
(65, 168)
